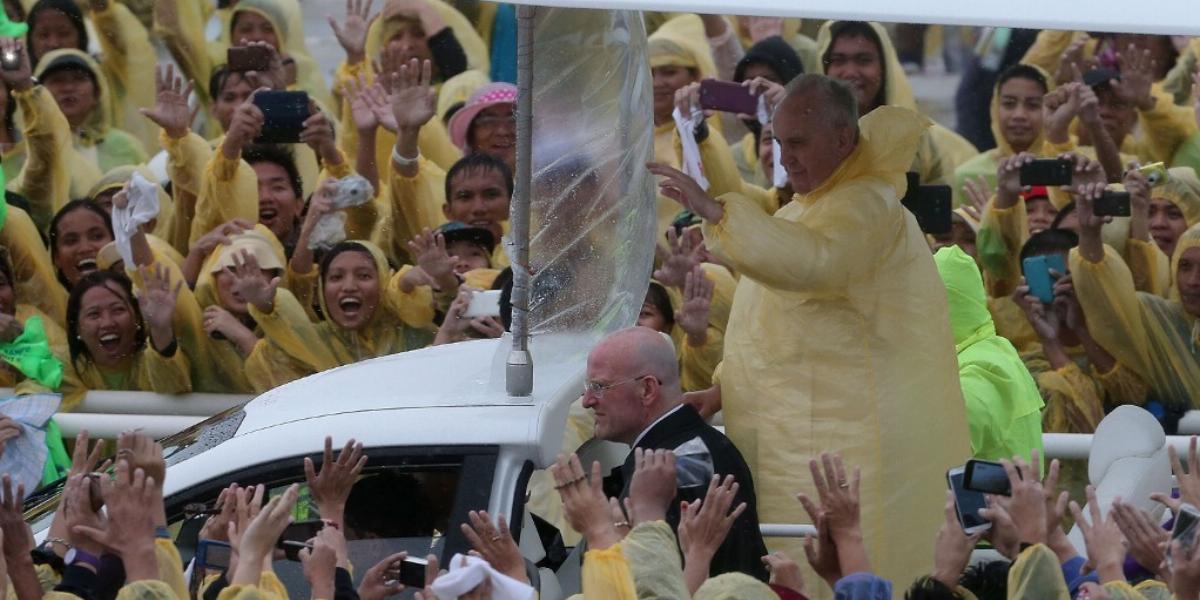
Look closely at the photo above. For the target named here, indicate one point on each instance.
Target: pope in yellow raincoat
(839, 336)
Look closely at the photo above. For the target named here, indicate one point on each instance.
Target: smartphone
(1037, 275)
(967, 503)
(1184, 530)
(484, 304)
(212, 555)
(240, 59)
(285, 113)
(295, 537)
(986, 477)
(932, 205)
(1047, 171)
(1111, 204)
(412, 572)
(727, 96)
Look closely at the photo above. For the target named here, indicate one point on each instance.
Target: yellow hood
(206, 283)
(393, 15)
(896, 89)
(100, 121)
(887, 143)
(1182, 189)
(384, 271)
(681, 42)
(118, 177)
(1002, 145)
(1190, 239)
(286, 17)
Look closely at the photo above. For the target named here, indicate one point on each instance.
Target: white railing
(105, 414)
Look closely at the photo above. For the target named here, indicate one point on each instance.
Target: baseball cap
(456, 231)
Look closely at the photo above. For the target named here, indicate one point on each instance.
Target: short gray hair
(836, 100)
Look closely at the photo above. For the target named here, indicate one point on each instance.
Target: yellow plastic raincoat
(98, 141)
(53, 171)
(287, 19)
(1154, 337)
(1004, 408)
(985, 164)
(147, 371)
(734, 586)
(128, 59)
(940, 150)
(819, 352)
(36, 279)
(697, 364)
(165, 226)
(295, 347)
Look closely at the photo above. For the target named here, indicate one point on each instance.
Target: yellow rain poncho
(680, 42)
(53, 170)
(940, 150)
(1154, 337)
(985, 164)
(819, 352)
(166, 226)
(697, 364)
(127, 58)
(1003, 403)
(286, 17)
(434, 141)
(295, 347)
(97, 140)
(36, 281)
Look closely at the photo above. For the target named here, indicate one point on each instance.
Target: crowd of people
(802, 301)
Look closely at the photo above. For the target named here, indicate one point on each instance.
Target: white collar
(656, 422)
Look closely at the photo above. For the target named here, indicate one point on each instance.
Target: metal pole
(519, 368)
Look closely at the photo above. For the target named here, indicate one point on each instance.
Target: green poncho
(1003, 403)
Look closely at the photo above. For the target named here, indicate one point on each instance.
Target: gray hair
(837, 101)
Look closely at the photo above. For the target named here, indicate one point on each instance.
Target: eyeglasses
(597, 389)
(859, 60)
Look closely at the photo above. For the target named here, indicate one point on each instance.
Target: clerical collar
(656, 422)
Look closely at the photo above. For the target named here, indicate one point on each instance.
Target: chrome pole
(519, 368)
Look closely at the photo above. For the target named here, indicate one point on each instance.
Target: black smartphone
(412, 572)
(932, 205)
(1111, 204)
(1047, 172)
(284, 113)
(727, 96)
(240, 59)
(967, 503)
(212, 555)
(986, 477)
(295, 537)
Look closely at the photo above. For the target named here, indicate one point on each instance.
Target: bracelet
(402, 161)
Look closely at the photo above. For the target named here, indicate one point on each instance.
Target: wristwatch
(75, 555)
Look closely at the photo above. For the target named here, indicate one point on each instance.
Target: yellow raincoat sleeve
(606, 574)
(753, 240)
(268, 367)
(1074, 401)
(180, 25)
(1148, 335)
(653, 562)
(1122, 386)
(127, 59)
(46, 179)
(1037, 574)
(36, 280)
(1001, 235)
(187, 160)
(229, 190)
(289, 328)
(1150, 267)
(416, 202)
(414, 308)
(165, 374)
(724, 177)
(304, 287)
(170, 567)
(1164, 128)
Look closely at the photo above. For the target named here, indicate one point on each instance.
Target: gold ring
(620, 524)
(496, 538)
(844, 484)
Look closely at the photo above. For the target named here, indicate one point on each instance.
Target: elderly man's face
(620, 408)
(812, 147)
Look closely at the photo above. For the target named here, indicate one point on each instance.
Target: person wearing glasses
(633, 391)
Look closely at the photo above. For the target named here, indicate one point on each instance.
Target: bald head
(633, 379)
(640, 351)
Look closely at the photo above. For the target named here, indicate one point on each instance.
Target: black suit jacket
(701, 452)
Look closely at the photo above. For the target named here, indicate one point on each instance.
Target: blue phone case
(1037, 275)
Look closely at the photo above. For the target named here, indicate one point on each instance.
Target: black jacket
(700, 452)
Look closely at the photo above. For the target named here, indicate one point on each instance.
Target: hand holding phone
(727, 96)
(484, 303)
(967, 503)
(1037, 275)
(1112, 204)
(932, 205)
(284, 114)
(1047, 172)
(986, 477)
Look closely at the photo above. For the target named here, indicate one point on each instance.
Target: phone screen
(987, 477)
(968, 502)
(1049, 172)
(412, 572)
(212, 554)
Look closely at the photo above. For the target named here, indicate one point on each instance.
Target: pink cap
(487, 96)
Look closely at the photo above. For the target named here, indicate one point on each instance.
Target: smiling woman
(77, 233)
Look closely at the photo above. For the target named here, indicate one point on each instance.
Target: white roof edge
(1164, 17)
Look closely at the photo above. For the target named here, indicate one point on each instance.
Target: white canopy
(1171, 17)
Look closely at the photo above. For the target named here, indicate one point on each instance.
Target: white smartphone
(484, 303)
(967, 503)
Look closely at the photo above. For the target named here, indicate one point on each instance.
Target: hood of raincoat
(1002, 145)
(457, 89)
(100, 121)
(969, 316)
(118, 177)
(384, 273)
(393, 16)
(1182, 189)
(206, 283)
(681, 42)
(1190, 239)
(775, 53)
(896, 89)
(735, 586)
